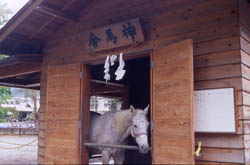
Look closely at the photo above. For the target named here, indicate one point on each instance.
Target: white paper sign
(214, 110)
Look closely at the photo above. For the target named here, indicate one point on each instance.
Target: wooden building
(183, 45)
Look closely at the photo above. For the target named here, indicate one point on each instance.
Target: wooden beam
(33, 85)
(29, 55)
(18, 36)
(33, 59)
(88, 5)
(13, 81)
(41, 27)
(22, 58)
(19, 86)
(109, 95)
(105, 89)
(10, 61)
(68, 5)
(50, 20)
(19, 69)
(52, 12)
(17, 45)
(25, 82)
(107, 83)
(14, 22)
(20, 39)
(20, 82)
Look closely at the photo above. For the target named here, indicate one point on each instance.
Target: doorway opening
(133, 89)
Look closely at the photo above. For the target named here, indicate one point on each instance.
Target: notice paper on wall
(214, 110)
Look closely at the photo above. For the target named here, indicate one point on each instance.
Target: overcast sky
(14, 5)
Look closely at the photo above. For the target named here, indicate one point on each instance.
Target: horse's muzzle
(144, 149)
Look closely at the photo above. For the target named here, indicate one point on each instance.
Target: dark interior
(137, 78)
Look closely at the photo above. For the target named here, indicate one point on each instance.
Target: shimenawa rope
(18, 145)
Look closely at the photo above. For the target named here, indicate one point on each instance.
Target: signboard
(116, 35)
(214, 110)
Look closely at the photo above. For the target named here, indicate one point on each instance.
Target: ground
(24, 155)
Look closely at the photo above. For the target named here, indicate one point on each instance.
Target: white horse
(114, 127)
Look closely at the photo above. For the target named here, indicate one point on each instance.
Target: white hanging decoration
(106, 69)
(120, 72)
(112, 59)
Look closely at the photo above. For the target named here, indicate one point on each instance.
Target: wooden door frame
(86, 64)
(84, 114)
(128, 56)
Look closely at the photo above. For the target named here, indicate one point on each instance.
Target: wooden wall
(220, 34)
(42, 117)
(244, 11)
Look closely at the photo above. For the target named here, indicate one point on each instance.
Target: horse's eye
(135, 126)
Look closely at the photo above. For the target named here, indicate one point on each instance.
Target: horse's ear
(132, 109)
(146, 109)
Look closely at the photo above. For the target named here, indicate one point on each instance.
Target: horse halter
(135, 133)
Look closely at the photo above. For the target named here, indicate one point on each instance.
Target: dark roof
(25, 35)
(28, 30)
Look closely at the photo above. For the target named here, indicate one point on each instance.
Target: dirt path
(24, 155)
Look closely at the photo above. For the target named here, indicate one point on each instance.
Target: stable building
(188, 59)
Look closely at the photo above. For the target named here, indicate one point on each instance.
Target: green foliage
(4, 112)
(5, 94)
(14, 111)
(2, 56)
(2, 120)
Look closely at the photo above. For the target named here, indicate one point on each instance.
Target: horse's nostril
(143, 147)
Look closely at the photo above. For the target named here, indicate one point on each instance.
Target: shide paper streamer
(120, 72)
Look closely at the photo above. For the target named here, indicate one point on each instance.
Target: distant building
(24, 105)
(103, 104)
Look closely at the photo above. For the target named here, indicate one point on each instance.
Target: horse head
(139, 128)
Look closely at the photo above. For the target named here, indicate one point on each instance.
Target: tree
(5, 94)
(3, 56)
(33, 94)
(4, 17)
(4, 13)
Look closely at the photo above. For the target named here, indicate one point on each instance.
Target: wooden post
(85, 114)
(125, 98)
(20, 131)
(62, 115)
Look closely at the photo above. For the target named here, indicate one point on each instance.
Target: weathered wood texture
(85, 115)
(19, 69)
(42, 115)
(173, 121)
(19, 21)
(62, 115)
(244, 12)
(117, 38)
(214, 27)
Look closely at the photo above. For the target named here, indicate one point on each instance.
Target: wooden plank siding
(173, 121)
(42, 116)
(219, 60)
(62, 115)
(244, 17)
